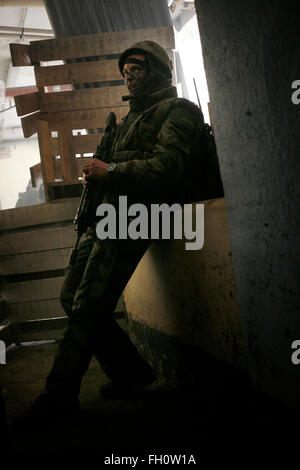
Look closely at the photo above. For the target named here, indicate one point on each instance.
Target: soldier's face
(134, 73)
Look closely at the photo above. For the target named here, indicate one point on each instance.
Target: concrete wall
(251, 57)
(191, 295)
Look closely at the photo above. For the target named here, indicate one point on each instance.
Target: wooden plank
(38, 214)
(37, 291)
(28, 337)
(14, 335)
(36, 175)
(67, 154)
(35, 262)
(87, 98)
(82, 143)
(83, 72)
(41, 239)
(45, 146)
(26, 104)
(20, 54)
(41, 324)
(24, 311)
(43, 309)
(61, 190)
(40, 330)
(84, 119)
(30, 291)
(29, 124)
(20, 90)
(98, 44)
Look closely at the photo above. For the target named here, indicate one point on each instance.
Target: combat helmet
(153, 49)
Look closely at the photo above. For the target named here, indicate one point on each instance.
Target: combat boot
(119, 389)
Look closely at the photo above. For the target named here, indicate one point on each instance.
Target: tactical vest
(201, 179)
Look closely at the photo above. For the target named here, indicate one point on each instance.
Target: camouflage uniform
(151, 147)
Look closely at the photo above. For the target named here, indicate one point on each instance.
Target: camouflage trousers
(91, 290)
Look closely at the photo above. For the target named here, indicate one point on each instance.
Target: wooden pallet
(36, 243)
(74, 98)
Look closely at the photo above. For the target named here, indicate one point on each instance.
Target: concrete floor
(158, 417)
(160, 420)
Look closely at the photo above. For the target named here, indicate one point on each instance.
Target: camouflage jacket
(152, 148)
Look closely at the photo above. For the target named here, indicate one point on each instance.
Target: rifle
(81, 220)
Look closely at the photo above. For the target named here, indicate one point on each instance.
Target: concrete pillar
(251, 57)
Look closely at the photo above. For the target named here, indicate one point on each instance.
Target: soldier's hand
(95, 169)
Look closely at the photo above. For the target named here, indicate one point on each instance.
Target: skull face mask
(134, 73)
(143, 75)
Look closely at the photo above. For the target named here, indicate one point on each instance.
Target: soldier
(147, 160)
